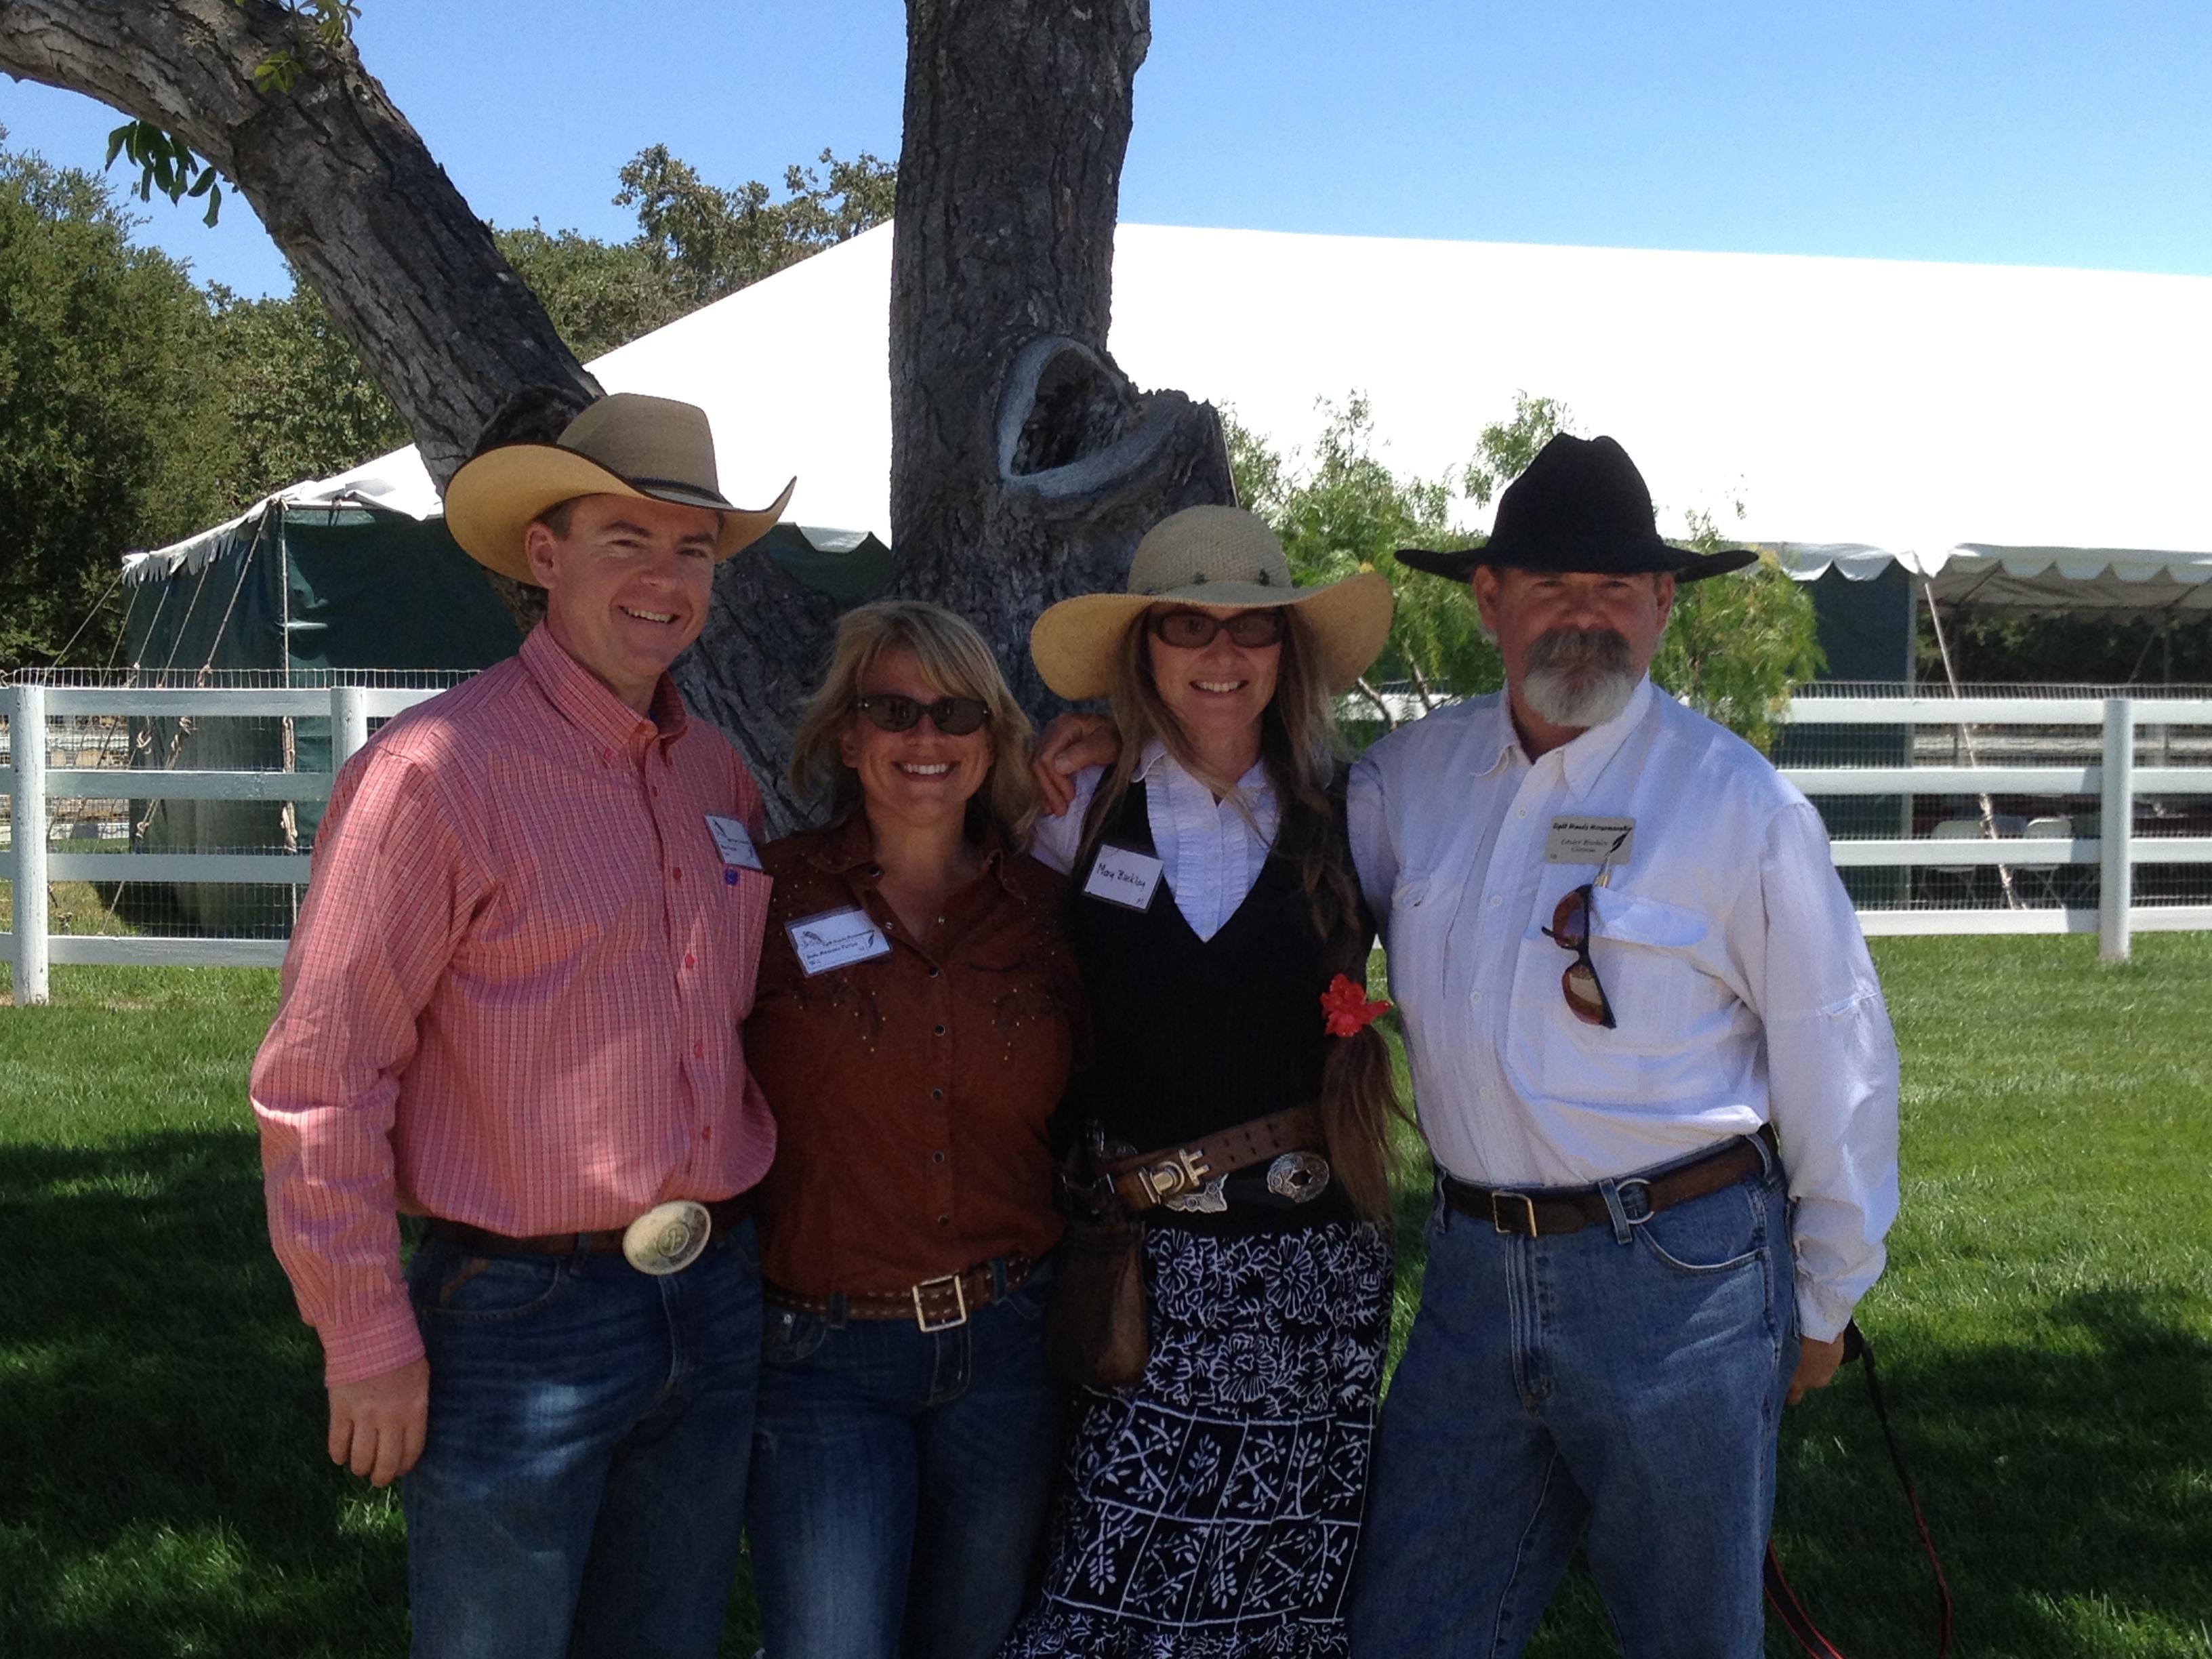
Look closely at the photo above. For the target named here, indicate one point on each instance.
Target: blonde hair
(954, 658)
(1303, 753)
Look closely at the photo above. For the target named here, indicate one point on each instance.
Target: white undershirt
(1211, 853)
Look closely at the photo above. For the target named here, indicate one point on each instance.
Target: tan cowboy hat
(654, 449)
(1209, 556)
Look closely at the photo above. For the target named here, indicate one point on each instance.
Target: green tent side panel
(378, 590)
(344, 589)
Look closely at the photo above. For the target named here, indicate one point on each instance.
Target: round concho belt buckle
(1298, 1177)
(668, 1237)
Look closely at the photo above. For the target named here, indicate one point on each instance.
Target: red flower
(1344, 1008)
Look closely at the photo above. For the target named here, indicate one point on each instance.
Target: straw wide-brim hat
(1581, 507)
(653, 448)
(1210, 556)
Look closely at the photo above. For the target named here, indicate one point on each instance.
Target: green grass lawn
(2045, 1333)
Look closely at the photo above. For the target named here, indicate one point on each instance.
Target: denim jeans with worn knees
(1628, 1380)
(582, 1491)
(900, 1480)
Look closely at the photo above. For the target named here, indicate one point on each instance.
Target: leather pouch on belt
(1096, 1329)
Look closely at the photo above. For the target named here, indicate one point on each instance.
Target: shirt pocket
(1649, 955)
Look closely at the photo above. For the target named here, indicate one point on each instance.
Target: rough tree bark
(1024, 465)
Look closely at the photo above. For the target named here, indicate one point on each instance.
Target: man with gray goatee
(1652, 1061)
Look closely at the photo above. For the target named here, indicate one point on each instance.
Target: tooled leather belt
(1180, 1172)
(1546, 1211)
(935, 1304)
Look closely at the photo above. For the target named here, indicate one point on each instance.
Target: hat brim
(1660, 560)
(1074, 643)
(492, 501)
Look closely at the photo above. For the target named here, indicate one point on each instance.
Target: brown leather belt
(723, 1213)
(1175, 1172)
(935, 1304)
(1569, 1210)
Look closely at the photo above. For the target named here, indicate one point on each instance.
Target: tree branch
(340, 178)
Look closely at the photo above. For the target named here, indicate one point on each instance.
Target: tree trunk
(340, 181)
(1025, 466)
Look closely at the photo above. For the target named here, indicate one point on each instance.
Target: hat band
(707, 497)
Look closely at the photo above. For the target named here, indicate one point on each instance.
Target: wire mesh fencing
(175, 811)
(1997, 801)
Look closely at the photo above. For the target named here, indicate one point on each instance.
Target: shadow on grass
(2067, 1477)
(162, 1488)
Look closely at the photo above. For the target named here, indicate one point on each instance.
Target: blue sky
(2025, 132)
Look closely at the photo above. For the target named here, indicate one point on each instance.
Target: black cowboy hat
(1582, 506)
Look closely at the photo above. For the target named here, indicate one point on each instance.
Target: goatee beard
(1578, 677)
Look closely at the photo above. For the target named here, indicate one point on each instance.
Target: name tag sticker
(1123, 876)
(1590, 840)
(836, 939)
(733, 841)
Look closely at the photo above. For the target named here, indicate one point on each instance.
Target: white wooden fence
(29, 865)
(2116, 780)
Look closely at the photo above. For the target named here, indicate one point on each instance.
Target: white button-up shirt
(1212, 852)
(1726, 946)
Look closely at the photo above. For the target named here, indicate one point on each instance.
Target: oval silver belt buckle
(668, 1237)
(1298, 1177)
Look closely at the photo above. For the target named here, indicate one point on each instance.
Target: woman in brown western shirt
(917, 1016)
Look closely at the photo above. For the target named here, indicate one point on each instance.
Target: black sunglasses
(956, 717)
(1191, 630)
(1570, 930)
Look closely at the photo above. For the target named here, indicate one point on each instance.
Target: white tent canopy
(1986, 425)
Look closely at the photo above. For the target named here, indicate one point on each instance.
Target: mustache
(1579, 651)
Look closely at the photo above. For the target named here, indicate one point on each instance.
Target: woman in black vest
(1214, 1506)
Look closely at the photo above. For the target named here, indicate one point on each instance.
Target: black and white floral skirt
(1213, 1511)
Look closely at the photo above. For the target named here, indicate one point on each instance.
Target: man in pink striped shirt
(512, 1006)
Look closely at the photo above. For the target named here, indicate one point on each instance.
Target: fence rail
(31, 784)
(2118, 785)
(2119, 788)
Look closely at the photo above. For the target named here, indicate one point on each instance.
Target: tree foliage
(135, 409)
(1738, 644)
(109, 427)
(295, 399)
(707, 242)
(1736, 648)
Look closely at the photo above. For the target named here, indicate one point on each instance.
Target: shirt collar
(1581, 758)
(1496, 741)
(1585, 756)
(1157, 758)
(585, 702)
(841, 848)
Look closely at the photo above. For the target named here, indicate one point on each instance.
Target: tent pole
(1966, 736)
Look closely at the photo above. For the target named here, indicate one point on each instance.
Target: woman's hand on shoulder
(1070, 742)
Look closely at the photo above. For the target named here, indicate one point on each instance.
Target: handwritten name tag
(835, 938)
(1122, 875)
(733, 841)
(1590, 840)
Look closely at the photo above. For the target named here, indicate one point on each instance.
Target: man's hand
(377, 1424)
(1816, 1366)
(1071, 743)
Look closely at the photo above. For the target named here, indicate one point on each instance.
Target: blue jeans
(900, 1480)
(1626, 1379)
(583, 1488)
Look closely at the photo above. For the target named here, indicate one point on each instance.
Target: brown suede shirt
(911, 1091)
